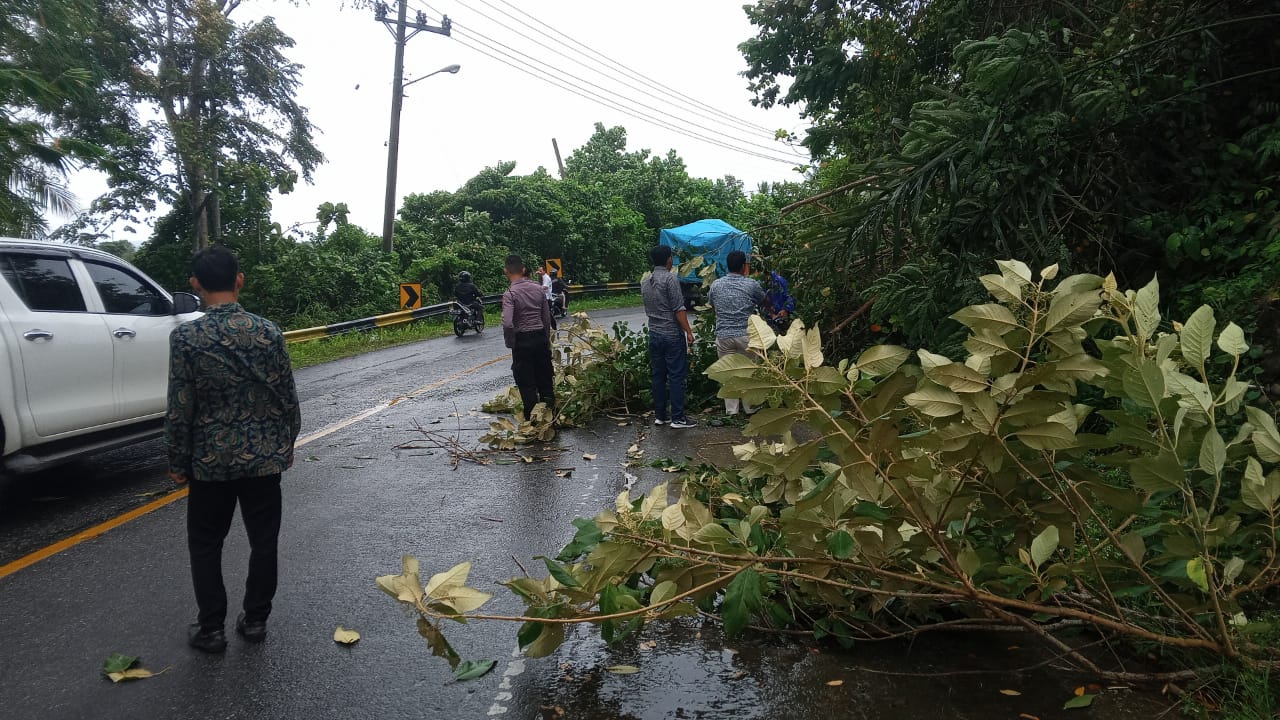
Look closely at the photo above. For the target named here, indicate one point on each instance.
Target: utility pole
(559, 163)
(399, 30)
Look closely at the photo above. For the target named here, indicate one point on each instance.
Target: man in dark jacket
(467, 294)
(526, 327)
(232, 421)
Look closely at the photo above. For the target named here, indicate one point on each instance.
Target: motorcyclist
(467, 294)
(560, 289)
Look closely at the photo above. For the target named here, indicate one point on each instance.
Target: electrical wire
(636, 75)
(520, 60)
(562, 85)
(662, 97)
(500, 47)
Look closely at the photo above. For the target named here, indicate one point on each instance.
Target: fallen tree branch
(824, 195)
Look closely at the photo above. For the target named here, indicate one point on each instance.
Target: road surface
(353, 505)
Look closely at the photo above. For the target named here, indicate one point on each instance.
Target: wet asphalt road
(353, 505)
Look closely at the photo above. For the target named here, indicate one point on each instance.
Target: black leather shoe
(254, 632)
(207, 641)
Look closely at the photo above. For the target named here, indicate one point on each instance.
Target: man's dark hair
(515, 265)
(736, 260)
(659, 255)
(216, 269)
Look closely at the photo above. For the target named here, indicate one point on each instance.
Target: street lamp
(451, 69)
(393, 148)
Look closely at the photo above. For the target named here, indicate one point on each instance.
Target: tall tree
(44, 66)
(225, 92)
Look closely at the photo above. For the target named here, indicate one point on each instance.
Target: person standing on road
(232, 420)
(668, 349)
(735, 298)
(526, 327)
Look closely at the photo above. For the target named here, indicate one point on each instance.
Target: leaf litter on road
(120, 667)
(623, 669)
(472, 669)
(345, 637)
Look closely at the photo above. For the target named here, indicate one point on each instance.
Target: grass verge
(316, 352)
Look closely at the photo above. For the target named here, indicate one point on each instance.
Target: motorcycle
(558, 305)
(467, 318)
(560, 300)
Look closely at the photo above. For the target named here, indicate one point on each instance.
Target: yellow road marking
(67, 543)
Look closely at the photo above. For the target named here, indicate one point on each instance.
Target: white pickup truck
(84, 353)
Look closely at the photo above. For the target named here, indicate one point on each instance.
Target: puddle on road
(777, 678)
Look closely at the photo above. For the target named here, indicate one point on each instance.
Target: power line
(715, 117)
(510, 52)
(636, 75)
(562, 85)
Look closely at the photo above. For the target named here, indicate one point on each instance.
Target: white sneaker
(659, 422)
(683, 424)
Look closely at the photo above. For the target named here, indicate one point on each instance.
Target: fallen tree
(1079, 471)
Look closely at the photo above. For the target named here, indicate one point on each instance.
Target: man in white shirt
(545, 279)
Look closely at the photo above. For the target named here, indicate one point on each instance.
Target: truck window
(44, 283)
(124, 293)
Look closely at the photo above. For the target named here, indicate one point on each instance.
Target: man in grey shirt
(668, 348)
(735, 298)
(526, 327)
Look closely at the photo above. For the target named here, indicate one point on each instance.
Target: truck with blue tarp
(711, 241)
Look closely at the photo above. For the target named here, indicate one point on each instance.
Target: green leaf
(1047, 436)
(1232, 341)
(1266, 438)
(1213, 453)
(1256, 491)
(1145, 384)
(957, 378)
(1067, 311)
(1133, 547)
(840, 544)
(1146, 309)
(548, 640)
(1002, 288)
(880, 360)
(440, 646)
(732, 366)
(1196, 573)
(812, 348)
(117, 663)
(742, 598)
(583, 542)
(472, 669)
(1079, 701)
(990, 317)
(663, 591)
(771, 421)
(1015, 270)
(1159, 473)
(1197, 336)
(760, 336)
(934, 401)
(969, 561)
(1044, 545)
(561, 575)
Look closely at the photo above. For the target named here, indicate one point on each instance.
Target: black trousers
(210, 508)
(531, 367)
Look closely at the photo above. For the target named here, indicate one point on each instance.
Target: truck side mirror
(184, 303)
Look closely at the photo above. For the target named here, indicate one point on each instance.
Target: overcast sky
(455, 125)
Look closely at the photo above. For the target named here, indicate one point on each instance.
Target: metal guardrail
(404, 317)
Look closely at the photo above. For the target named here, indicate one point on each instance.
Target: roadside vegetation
(1076, 474)
(316, 352)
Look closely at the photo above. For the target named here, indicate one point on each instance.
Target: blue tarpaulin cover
(712, 239)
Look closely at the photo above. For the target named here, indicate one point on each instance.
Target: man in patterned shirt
(232, 421)
(735, 298)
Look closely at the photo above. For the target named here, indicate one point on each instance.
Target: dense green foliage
(1077, 468)
(1138, 136)
(44, 68)
(600, 220)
